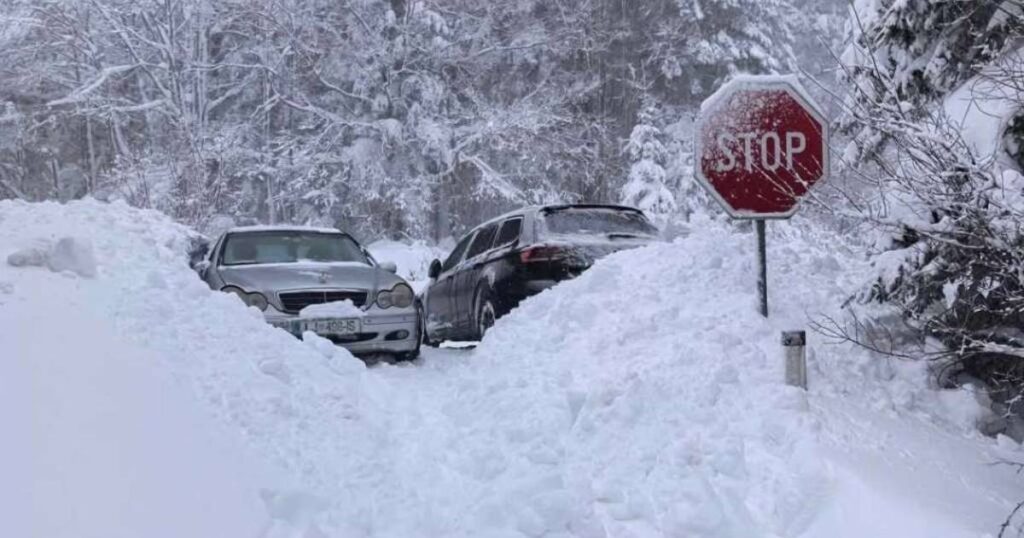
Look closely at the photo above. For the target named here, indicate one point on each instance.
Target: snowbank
(124, 387)
(651, 393)
(641, 399)
(68, 254)
(98, 443)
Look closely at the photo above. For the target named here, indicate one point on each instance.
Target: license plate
(333, 326)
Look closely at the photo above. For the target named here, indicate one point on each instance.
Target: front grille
(294, 301)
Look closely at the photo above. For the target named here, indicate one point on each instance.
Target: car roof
(616, 207)
(514, 213)
(283, 228)
(551, 207)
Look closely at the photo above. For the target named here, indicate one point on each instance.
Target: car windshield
(598, 221)
(251, 248)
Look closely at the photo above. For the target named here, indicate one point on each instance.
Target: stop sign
(761, 144)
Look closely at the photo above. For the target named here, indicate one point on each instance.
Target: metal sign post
(762, 143)
(762, 269)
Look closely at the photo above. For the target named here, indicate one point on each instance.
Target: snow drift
(664, 409)
(642, 399)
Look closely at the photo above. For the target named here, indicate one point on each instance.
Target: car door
(467, 275)
(439, 307)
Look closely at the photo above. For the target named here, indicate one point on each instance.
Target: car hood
(274, 277)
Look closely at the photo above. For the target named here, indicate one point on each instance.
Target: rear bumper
(381, 332)
(533, 287)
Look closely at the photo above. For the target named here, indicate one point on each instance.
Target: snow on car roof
(508, 214)
(553, 207)
(284, 228)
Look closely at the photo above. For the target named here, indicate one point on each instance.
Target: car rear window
(251, 248)
(597, 221)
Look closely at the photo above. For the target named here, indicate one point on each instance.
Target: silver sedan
(319, 280)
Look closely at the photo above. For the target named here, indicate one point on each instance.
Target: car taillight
(541, 254)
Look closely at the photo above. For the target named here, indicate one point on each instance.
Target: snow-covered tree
(404, 118)
(645, 186)
(909, 54)
(714, 39)
(933, 87)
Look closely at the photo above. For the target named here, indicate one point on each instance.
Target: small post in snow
(794, 345)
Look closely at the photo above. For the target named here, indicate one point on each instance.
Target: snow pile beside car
(651, 392)
(96, 441)
(67, 254)
(113, 379)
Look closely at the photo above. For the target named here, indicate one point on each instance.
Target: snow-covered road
(643, 399)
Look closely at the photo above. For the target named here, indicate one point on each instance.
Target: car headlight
(257, 300)
(384, 298)
(401, 296)
(250, 299)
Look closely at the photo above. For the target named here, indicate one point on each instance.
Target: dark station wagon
(507, 259)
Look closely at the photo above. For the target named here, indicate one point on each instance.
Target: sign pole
(762, 269)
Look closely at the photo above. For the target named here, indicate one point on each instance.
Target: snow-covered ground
(642, 399)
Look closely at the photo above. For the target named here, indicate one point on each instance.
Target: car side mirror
(435, 269)
(388, 266)
(202, 267)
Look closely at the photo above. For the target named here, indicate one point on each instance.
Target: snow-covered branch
(82, 93)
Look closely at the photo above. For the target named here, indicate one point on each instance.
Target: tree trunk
(91, 147)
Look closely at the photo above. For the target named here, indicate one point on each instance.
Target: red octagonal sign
(762, 144)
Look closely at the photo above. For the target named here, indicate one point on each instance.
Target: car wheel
(485, 313)
(408, 356)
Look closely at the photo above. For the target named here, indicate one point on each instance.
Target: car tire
(408, 356)
(485, 313)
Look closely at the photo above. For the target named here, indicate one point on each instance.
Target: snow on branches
(928, 109)
(645, 186)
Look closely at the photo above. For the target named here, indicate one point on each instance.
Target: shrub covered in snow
(928, 111)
